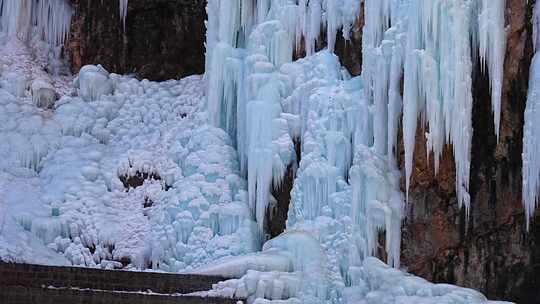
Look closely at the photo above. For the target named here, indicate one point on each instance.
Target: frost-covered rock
(43, 93)
(93, 82)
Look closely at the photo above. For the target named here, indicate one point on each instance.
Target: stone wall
(36, 275)
(23, 295)
(162, 39)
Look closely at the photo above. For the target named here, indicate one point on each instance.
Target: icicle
(492, 44)
(123, 11)
(536, 26)
(53, 19)
(531, 142)
(531, 132)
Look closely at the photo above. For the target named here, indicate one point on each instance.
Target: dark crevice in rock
(125, 261)
(350, 51)
(163, 39)
(137, 180)
(276, 216)
(148, 202)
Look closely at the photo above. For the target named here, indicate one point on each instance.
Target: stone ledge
(30, 295)
(36, 276)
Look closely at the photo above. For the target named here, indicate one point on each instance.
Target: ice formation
(531, 130)
(123, 11)
(93, 82)
(43, 94)
(51, 19)
(134, 174)
(42, 24)
(346, 189)
(14, 82)
(62, 173)
(432, 43)
(291, 267)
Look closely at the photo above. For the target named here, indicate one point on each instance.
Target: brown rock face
(162, 39)
(491, 251)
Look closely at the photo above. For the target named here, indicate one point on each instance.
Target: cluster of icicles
(52, 18)
(430, 45)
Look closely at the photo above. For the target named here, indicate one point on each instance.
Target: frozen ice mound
(191, 204)
(93, 82)
(15, 83)
(43, 93)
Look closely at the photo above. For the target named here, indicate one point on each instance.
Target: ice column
(531, 132)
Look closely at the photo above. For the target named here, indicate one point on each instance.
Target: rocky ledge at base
(25, 284)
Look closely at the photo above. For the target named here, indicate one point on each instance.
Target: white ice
(93, 82)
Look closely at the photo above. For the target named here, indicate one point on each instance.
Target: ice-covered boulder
(14, 82)
(43, 94)
(93, 82)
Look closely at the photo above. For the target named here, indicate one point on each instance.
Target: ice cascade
(346, 190)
